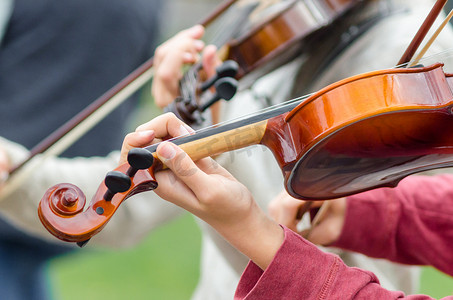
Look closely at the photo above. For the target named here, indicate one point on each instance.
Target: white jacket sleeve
(130, 224)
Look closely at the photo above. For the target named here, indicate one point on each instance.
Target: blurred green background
(164, 266)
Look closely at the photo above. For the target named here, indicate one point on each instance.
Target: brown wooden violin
(361, 133)
(261, 36)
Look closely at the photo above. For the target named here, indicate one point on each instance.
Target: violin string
(233, 19)
(256, 113)
(435, 57)
(422, 31)
(432, 58)
(444, 54)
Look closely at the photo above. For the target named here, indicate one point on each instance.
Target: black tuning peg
(139, 159)
(228, 68)
(116, 182)
(225, 89)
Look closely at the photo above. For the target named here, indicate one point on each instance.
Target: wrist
(256, 236)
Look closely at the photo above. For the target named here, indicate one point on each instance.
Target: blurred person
(56, 57)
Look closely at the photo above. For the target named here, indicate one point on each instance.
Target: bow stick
(422, 31)
(71, 131)
(431, 40)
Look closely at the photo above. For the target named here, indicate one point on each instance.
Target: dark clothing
(59, 56)
(55, 59)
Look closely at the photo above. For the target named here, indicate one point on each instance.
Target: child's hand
(171, 56)
(285, 210)
(207, 190)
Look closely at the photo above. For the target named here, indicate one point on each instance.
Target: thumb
(182, 166)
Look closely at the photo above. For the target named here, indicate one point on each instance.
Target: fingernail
(188, 57)
(197, 28)
(199, 45)
(183, 130)
(189, 128)
(166, 151)
(146, 133)
(212, 48)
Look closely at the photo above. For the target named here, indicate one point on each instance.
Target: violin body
(278, 38)
(364, 132)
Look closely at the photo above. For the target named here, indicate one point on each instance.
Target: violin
(264, 36)
(360, 133)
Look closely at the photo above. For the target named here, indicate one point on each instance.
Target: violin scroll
(66, 199)
(196, 97)
(61, 210)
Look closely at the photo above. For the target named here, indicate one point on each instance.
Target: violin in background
(253, 37)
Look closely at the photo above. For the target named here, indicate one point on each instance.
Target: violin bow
(76, 127)
(422, 31)
(431, 40)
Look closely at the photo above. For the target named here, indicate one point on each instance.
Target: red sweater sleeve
(300, 270)
(410, 224)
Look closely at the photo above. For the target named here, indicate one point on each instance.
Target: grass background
(164, 266)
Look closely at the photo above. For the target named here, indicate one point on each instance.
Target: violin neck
(231, 136)
(226, 141)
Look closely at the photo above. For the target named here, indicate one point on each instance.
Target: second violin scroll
(196, 97)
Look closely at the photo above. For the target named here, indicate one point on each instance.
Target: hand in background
(170, 57)
(287, 211)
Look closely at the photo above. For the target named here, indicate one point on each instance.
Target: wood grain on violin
(360, 133)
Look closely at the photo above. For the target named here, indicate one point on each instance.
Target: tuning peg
(225, 89)
(185, 111)
(139, 159)
(228, 68)
(116, 182)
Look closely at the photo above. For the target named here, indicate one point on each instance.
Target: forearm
(300, 270)
(256, 236)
